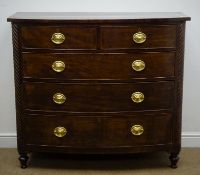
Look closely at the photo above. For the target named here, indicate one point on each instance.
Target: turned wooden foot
(174, 159)
(23, 160)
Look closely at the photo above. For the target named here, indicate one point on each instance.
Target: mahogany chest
(98, 83)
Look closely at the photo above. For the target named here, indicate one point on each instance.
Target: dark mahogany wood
(98, 82)
(174, 158)
(75, 37)
(97, 17)
(115, 66)
(121, 37)
(23, 160)
(88, 97)
(98, 131)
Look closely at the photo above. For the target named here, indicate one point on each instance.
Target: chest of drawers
(98, 83)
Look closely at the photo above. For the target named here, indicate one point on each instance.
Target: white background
(191, 97)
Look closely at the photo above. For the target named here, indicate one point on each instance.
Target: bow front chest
(98, 83)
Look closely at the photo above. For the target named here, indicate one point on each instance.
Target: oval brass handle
(137, 97)
(58, 38)
(137, 130)
(58, 66)
(59, 98)
(60, 131)
(139, 37)
(138, 65)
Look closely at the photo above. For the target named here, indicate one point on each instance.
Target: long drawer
(58, 37)
(98, 66)
(98, 131)
(107, 97)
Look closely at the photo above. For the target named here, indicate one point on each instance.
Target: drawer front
(122, 37)
(98, 66)
(86, 97)
(98, 131)
(140, 129)
(71, 37)
(49, 130)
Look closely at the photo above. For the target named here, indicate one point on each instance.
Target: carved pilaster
(18, 83)
(177, 120)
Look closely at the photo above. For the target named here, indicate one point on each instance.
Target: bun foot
(23, 160)
(174, 159)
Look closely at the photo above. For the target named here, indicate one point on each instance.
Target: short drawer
(58, 37)
(61, 130)
(107, 97)
(116, 66)
(98, 131)
(136, 37)
(139, 129)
